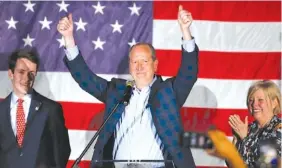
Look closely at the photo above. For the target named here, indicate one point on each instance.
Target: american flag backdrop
(239, 42)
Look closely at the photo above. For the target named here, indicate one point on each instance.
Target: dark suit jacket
(165, 100)
(46, 140)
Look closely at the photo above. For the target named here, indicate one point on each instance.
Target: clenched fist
(65, 28)
(185, 20)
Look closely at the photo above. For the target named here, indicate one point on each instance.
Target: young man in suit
(32, 127)
(148, 127)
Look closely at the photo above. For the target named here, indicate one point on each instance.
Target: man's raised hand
(185, 20)
(65, 28)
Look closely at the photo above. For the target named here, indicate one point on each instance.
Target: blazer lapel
(7, 120)
(35, 105)
(155, 87)
(157, 117)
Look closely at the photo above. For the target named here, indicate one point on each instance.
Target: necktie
(20, 122)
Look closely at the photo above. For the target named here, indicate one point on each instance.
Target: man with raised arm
(148, 127)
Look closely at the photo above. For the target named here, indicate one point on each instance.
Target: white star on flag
(61, 41)
(45, 23)
(63, 6)
(12, 23)
(28, 41)
(98, 8)
(29, 6)
(116, 27)
(98, 44)
(134, 9)
(80, 24)
(133, 42)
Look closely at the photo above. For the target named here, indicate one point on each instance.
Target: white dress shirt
(13, 109)
(136, 137)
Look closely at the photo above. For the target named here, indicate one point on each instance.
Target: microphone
(128, 92)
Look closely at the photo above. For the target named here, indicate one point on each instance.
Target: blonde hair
(270, 89)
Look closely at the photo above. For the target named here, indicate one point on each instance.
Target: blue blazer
(46, 141)
(165, 100)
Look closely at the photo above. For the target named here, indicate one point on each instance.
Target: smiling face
(142, 66)
(260, 105)
(21, 78)
(264, 101)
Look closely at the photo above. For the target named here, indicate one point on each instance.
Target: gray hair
(153, 51)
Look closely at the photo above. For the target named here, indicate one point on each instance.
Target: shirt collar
(14, 99)
(155, 78)
(147, 88)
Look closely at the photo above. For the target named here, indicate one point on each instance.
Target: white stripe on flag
(210, 93)
(221, 36)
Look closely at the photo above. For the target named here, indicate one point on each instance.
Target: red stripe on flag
(225, 65)
(82, 164)
(86, 164)
(83, 116)
(89, 116)
(253, 11)
(201, 119)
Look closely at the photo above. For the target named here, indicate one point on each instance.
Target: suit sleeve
(86, 79)
(186, 76)
(60, 137)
